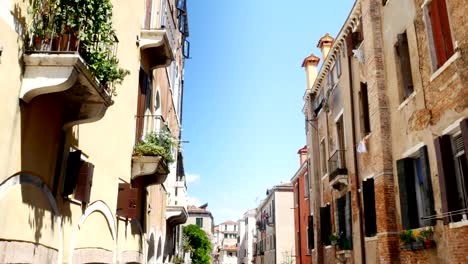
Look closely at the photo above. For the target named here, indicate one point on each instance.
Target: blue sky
(243, 95)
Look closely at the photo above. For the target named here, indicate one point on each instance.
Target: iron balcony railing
(147, 124)
(337, 164)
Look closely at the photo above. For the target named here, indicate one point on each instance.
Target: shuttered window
(415, 187)
(370, 221)
(402, 51)
(325, 224)
(344, 221)
(310, 232)
(127, 201)
(78, 177)
(199, 222)
(84, 182)
(364, 110)
(441, 33)
(452, 165)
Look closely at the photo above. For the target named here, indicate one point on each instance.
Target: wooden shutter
(405, 64)
(464, 130)
(84, 182)
(408, 203)
(148, 11)
(310, 232)
(325, 225)
(447, 179)
(141, 104)
(127, 201)
(341, 215)
(441, 31)
(348, 222)
(426, 188)
(445, 26)
(72, 171)
(370, 221)
(349, 45)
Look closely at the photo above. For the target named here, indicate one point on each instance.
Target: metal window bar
(147, 124)
(450, 215)
(337, 164)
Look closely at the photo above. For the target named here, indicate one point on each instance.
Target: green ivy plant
(157, 144)
(90, 21)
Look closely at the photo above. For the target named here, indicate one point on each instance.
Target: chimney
(310, 64)
(302, 155)
(325, 44)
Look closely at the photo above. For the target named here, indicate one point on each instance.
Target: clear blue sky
(243, 95)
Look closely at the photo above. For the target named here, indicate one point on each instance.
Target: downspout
(356, 165)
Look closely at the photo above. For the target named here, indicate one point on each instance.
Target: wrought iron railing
(337, 164)
(147, 124)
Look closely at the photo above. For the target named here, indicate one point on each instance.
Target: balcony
(57, 62)
(152, 151)
(156, 44)
(176, 215)
(338, 176)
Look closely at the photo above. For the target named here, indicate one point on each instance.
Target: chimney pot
(325, 44)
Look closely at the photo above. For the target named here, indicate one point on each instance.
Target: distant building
(275, 226)
(226, 237)
(303, 220)
(247, 233)
(201, 217)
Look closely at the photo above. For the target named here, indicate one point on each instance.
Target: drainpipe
(356, 165)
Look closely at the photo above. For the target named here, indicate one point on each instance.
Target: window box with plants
(72, 46)
(417, 239)
(151, 157)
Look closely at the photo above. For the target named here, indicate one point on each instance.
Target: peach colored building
(71, 190)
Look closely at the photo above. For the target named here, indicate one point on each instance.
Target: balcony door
(341, 142)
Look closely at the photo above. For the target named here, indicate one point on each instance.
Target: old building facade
(303, 220)
(72, 189)
(275, 226)
(247, 234)
(387, 115)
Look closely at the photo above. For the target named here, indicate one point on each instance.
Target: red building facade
(302, 218)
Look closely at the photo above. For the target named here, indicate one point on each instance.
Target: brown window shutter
(73, 168)
(148, 10)
(408, 206)
(84, 182)
(310, 234)
(445, 26)
(464, 130)
(437, 32)
(370, 222)
(446, 170)
(127, 201)
(427, 193)
(405, 64)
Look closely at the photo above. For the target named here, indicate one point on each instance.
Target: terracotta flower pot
(428, 243)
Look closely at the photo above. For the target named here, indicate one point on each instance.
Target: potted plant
(407, 239)
(334, 238)
(157, 144)
(425, 236)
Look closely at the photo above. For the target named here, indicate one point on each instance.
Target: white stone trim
(97, 206)
(447, 64)
(407, 100)
(411, 152)
(23, 178)
(453, 128)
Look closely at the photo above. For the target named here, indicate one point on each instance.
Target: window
(199, 222)
(310, 233)
(225, 235)
(344, 221)
(323, 158)
(403, 55)
(325, 224)
(225, 227)
(235, 227)
(78, 177)
(306, 185)
(338, 65)
(364, 105)
(441, 33)
(368, 194)
(296, 192)
(453, 173)
(414, 182)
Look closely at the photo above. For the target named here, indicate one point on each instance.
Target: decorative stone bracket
(339, 182)
(149, 170)
(66, 74)
(176, 215)
(155, 48)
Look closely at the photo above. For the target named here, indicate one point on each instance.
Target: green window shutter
(325, 225)
(348, 222)
(447, 180)
(427, 193)
(370, 221)
(408, 205)
(310, 234)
